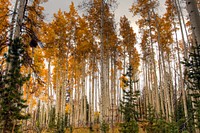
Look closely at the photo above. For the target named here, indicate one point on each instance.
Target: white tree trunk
(195, 25)
(20, 18)
(194, 19)
(57, 95)
(48, 90)
(13, 19)
(17, 30)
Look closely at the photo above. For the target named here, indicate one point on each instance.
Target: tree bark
(194, 19)
(194, 16)
(20, 17)
(13, 21)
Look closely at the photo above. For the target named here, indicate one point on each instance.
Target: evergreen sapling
(11, 102)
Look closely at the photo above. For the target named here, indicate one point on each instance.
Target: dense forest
(85, 72)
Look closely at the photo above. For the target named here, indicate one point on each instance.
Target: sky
(52, 6)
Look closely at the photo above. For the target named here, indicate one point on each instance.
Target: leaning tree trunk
(181, 76)
(186, 56)
(182, 29)
(180, 12)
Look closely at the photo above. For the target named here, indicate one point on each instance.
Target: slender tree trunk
(76, 105)
(171, 88)
(57, 95)
(107, 84)
(175, 85)
(73, 100)
(92, 96)
(65, 81)
(115, 88)
(84, 95)
(62, 88)
(103, 91)
(90, 100)
(162, 101)
(145, 89)
(97, 92)
(157, 105)
(48, 90)
(112, 92)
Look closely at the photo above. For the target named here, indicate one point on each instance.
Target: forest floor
(97, 130)
(86, 130)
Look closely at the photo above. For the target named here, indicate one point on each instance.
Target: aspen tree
(72, 26)
(100, 16)
(83, 49)
(48, 37)
(144, 9)
(59, 27)
(163, 48)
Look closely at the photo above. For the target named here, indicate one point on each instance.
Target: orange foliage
(67, 108)
(123, 80)
(4, 14)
